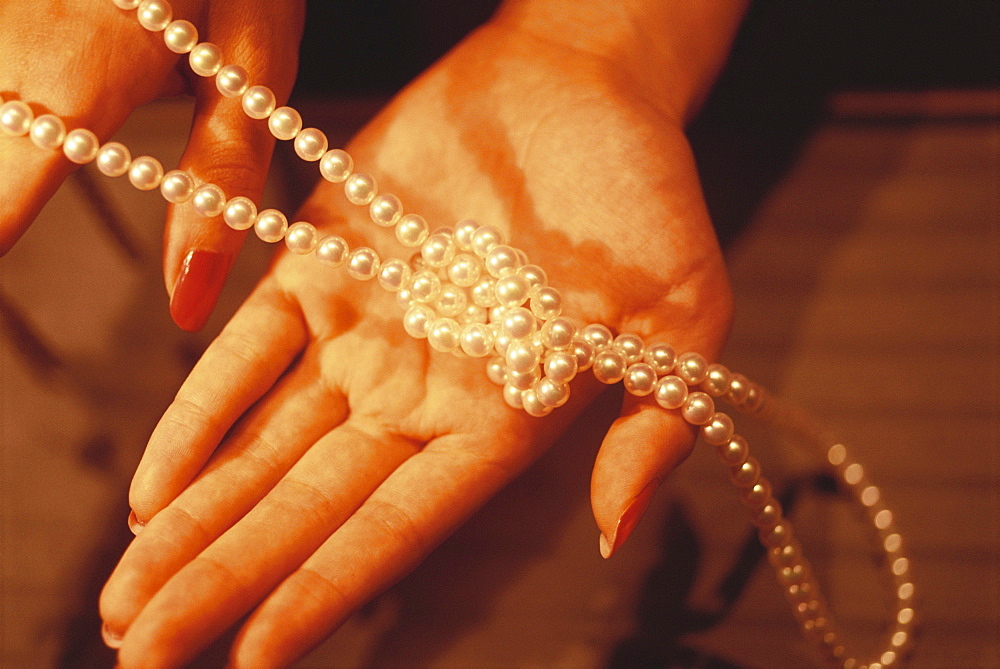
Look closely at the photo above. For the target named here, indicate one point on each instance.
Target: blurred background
(850, 155)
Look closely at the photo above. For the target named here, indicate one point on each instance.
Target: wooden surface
(866, 288)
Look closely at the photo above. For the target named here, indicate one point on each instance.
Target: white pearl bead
(521, 357)
(473, 314)
(717, 380)
(477, 339)
(691, 367)
(47, 131)
(629, 345)
(534, 275)
(81, 146)
(258, 102)
(417, 320)
(232, 81)
(15, 118)
(270, 225)
(145, 173)
(640, 379)
(332, 250)
(284, 123)
(609, 366)
(438, 250)
(301, 238)
(524, 380)
(464, 270)
(511, 291)
(671, 392)
(464, 230)
(501, 261)
(113, 159)
(451, 302)
(444, 335)
(154, 15)
(518, 323)
(205, 59)
(126, 4)
(336, 165)
(394, 275)
(180, 36)
(385, 210)
(363, 263)
(208, 200)
(412, 230)
(739, 388)
(560, 366)
(311, 144)
(584, 352)
(718, 430)
(177, 186)
(496, 370)
(557, 334)
(484, 239)
(484, 293)
(533, 406)
(598, 335)
(698, 408)
(360, 188)
(425, 286)
(551, 393)
(660, 357)
(240, 213)
(546, 302)
(512, 396)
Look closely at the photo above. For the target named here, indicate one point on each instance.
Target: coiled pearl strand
(469, 292)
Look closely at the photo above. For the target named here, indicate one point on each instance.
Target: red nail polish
(629, 519)
(197, 289)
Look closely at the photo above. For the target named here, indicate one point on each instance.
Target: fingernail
(135, 524)
(111, 639)
(197, 288)
(629, 519)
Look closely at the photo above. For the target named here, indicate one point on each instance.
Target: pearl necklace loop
(468, 292)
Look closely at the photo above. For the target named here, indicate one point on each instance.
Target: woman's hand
(91, 63)
(317, 453)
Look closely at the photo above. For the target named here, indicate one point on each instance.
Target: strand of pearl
(468, 292)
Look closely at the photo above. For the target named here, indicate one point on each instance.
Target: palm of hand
(355, 449)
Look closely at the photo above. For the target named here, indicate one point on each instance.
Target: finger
(413, 511)
(263, 447)
(291, 521)
(227, 148)
(246, 359)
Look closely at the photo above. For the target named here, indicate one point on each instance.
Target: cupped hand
(91, 63)
(317, 453)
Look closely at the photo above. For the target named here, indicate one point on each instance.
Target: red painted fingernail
(629, 519)
(134, 523)
(197, 289)
(111, 639)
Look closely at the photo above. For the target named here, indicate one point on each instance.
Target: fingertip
(196, 291)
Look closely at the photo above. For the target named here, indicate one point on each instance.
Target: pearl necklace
(470, 293)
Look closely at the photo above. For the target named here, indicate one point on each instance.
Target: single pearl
(126, 4)
(746, 474)
(444, 335)
(560, 366)
(284, 123)
(660, 357)
(360, 188)
(209, 200)
(205, 59)
(47, 131)
(484, 293)
(512, 396)
(631, 346)
(363, 263)
(598, 335)
(311, 144)
(336, 165)
(534, 275)
(484, 239)
(270, 225)
(739, 387)
(533, 406)
(609, 366)
(412, 230)
(640, 379)
(698, 408)
(496, 370)
(258, 102)
(425, 286)
(177, 186)
(417, 320)
(691, 367)
(464, 230)
(473, 314)
(180, 36)
(16, 118)
(113, 159)
(511, 291)
(756, 495)
(546, 302)
(451, 302)
(385, 210)
(240, 213)
(551, 393)
(518, 323)
(733, 452)
(145, 173)
(394, 275)
(501, 261)
(477, 339)
(232, 81)
(301, 238)
(557, 334)
(438, 250)
(81, 146)
(524, 380)
(671, 392)
(717, 379)
(464, 270)
(154, 15)
(521, 357)
(584, 352)
(718, 430)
